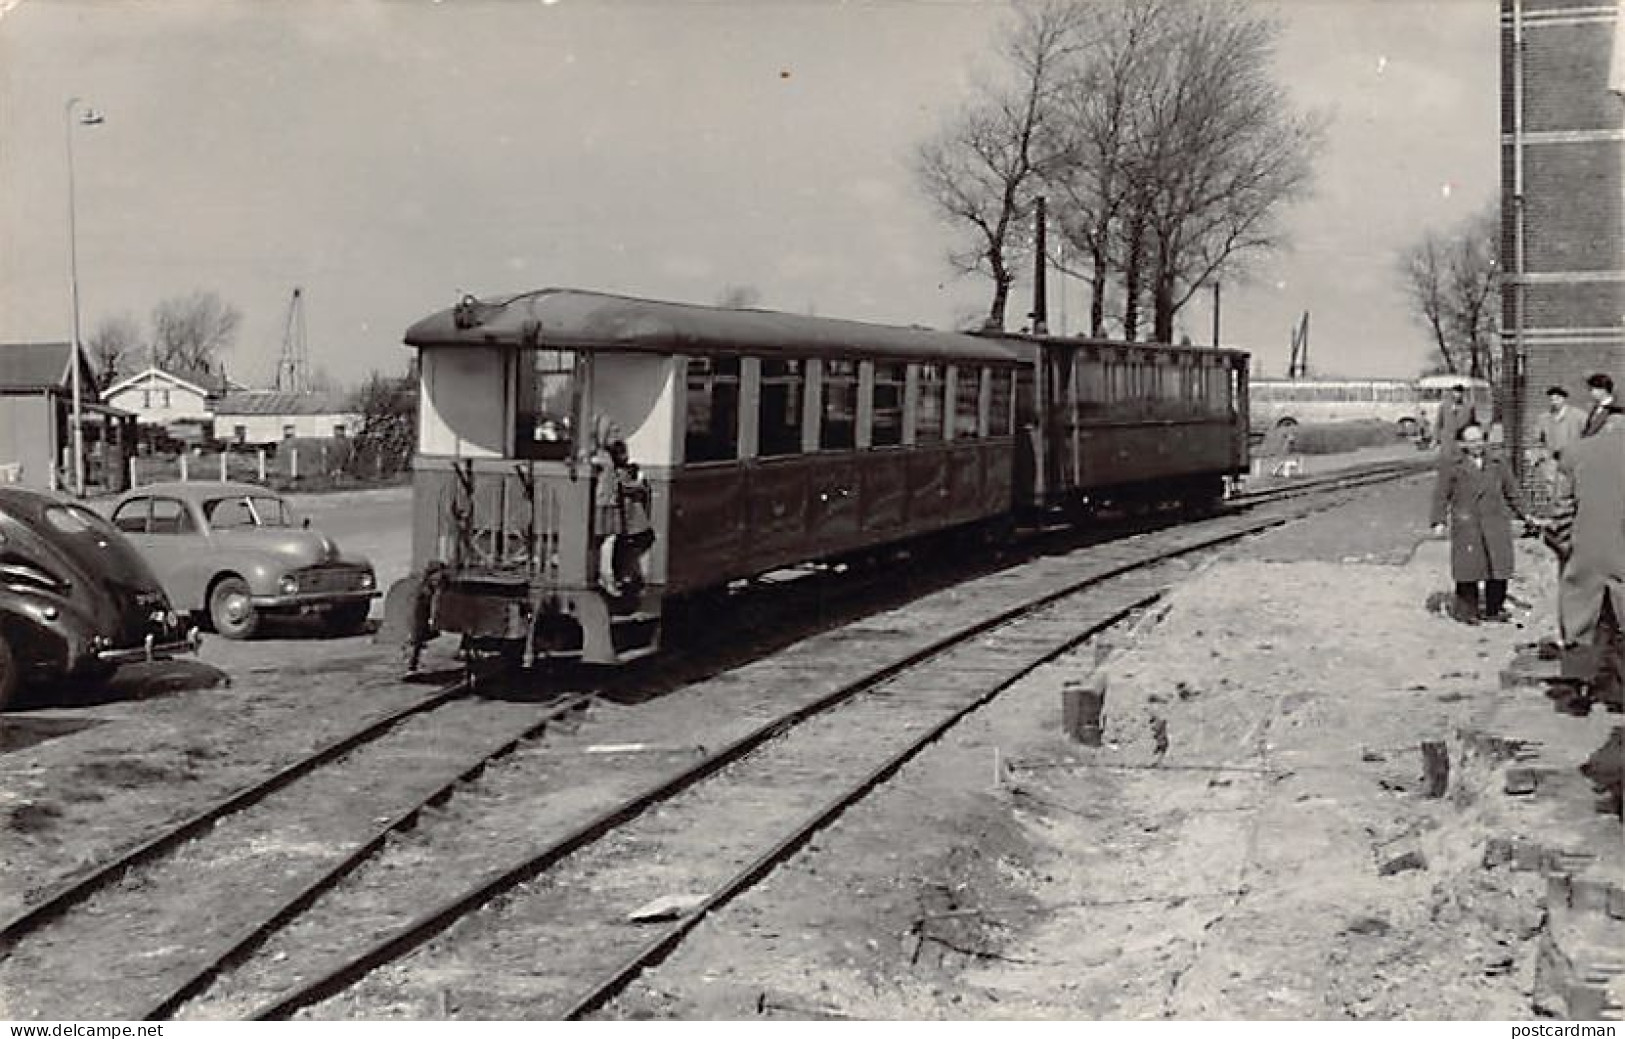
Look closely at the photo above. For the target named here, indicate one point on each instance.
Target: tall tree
(191, 332)
(115, 348)
(1217, 149)
(980, 170)
(1090, 180)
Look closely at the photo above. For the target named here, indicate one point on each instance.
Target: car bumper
(151, 650)
(312, 600)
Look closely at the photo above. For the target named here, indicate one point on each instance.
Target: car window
(247, 511)
(226, 513)
(169, 516)
(131, 517)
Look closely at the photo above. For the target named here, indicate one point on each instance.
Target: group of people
(1581, 462)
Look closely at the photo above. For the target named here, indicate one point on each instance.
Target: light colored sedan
(235, 552)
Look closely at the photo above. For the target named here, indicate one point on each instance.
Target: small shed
(36, 420)
(261, 417)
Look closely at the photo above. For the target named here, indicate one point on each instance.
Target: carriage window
(933, 392)
(967, 400)
(998, 419)
(545, 422)
(838, 425)
(887, 425)
(782, 383)
(713, 409)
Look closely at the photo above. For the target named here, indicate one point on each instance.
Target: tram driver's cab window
(713, 410)
(780, 429)
(546, 401)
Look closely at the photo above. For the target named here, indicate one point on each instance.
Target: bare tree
(979, 171)
(115, 348)
(1451, 278)
(190, 332)
(1091, 179)
(1216, 151)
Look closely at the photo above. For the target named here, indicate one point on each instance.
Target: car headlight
(366, 580)
(290, 585)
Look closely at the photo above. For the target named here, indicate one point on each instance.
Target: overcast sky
(387, 155)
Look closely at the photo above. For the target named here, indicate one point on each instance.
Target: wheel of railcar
(10, 677)
(232, 611)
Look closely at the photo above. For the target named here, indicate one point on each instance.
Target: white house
(159, 398)
(252, 417)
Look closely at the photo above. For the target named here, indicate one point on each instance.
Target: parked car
(235, 553)
(76, 598)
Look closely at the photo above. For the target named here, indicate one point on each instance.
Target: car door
(163, 529)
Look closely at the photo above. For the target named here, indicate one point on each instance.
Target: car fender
(263, 573)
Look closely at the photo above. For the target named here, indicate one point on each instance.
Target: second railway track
(338, 905)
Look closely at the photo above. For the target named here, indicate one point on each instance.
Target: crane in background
(1297, 365)
(293, 367)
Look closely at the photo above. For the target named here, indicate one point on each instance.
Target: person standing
(1591, 589)
(1455, 415)
(1479, 496)
(1557, 428)
(1602, 403)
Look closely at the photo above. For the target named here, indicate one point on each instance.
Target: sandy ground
(1250, 841)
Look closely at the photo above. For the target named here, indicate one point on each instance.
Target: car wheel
(231, 611)
(348, 618)
(10, 676)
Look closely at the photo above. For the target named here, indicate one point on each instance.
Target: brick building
(1563, 201)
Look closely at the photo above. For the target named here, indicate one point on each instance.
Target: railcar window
(887, 424)
(712, 433)
(999, 421)
(782, 383)
(967, 400)
(546, 425)
(838, 423)
(933, 391)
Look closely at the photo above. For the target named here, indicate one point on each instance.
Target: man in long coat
(1592, 586)
(1480, 496)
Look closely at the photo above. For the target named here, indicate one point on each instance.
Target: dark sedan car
(76, 598)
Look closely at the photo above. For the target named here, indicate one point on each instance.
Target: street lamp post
(88, 117)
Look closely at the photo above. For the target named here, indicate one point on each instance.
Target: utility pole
(1040, 314)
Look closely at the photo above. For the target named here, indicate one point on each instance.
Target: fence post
(293, 463)
(133, 482)
(223, 473)
(184, 454)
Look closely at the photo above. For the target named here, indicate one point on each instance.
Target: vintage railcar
(764, 440)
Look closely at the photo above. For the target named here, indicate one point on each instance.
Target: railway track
(328, 877)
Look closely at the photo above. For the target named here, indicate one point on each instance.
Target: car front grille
(331, 579)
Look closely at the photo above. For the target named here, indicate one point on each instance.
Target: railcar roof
(579, 320)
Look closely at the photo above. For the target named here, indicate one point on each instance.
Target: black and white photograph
(812, 511)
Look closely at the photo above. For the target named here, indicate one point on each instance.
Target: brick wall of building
(1569, 132)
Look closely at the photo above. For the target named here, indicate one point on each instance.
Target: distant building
(260, 417)
(36, 419)
(178, 406)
